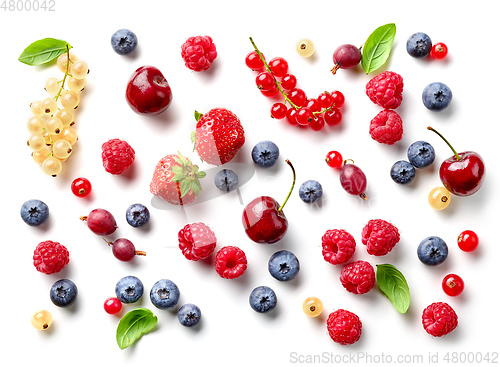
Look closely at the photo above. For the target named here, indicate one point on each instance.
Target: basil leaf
(133, 325)
(377, 47)
(43, 51)
(393, 284)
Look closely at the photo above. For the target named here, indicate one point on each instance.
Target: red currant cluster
(274, 78)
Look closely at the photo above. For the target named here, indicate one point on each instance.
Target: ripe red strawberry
(117, 156)
(218, 136)
(176, 180)
(196, 241)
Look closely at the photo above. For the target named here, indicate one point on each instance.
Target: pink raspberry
(358, 277)
(230, 262)
(117, 156)
(50, 257)
(338, 246)
(439, 319)
(344, 327)
(386, 127)
(198, 53)
(379, 236)
(196, 241)
(386, 90)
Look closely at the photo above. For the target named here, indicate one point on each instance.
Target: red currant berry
(278, 66)
(288, 82)
(265, 81)
(271, 92)
(81, 187)
(291, 116)
(317, 123)
(338, 98)
(453, 285)
(297, 96)
(313, 105)
(439, 51)
(333, 117)
(334, 159)
(304, 116)
(253, 61)
(112, 305)
(279, 110)
(325, 100)
(468, 241)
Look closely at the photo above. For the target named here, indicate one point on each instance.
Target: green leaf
(177, 169)
(377, 47)
(43, 51)
(200, 174)
(133, 325)
(197, 115)
(196, 190)
(185, 187)
(393, 284)
(179, 177)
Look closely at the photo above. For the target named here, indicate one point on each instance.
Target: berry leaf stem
(293, 184)
(446, 141)
(66, 73)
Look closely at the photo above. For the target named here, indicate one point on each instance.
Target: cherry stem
(446, 141)
(278, 84)
(65, 74)
(293, 184)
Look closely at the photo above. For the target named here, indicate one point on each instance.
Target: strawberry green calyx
(187, 175)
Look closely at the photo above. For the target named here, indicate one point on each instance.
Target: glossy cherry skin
(462, 177)
(148, 92)
(263, 221)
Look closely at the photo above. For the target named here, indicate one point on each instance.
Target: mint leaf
(133, 325)
(393, 284)
(43, 51)
(377, 47)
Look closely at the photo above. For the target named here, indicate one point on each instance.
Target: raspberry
(386, 90)
(358, 277)
(386, 127)
(338, 246)
(198, 53)
(344, 327)
(379, 236)
(230, 262)
(117, 156)
(196, 241)
(50, 257)
(439, 319)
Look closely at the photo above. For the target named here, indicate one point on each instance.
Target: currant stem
(446, 141)
(293, 184)
(66, 73)
(278, 84)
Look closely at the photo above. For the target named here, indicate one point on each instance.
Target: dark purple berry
(346, 57)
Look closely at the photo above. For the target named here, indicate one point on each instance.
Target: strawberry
(218, 136)
(176, 180)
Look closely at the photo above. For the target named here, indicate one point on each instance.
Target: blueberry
(34, 212)
(137, 215)
(189, 315)
(63, 293)
(123, 41)
(421, 154)
(436, 96)
(310, 191)
(164, 294)
(419, 45)
(402, 172)
(226, 180)
(263, 299)
(265, 154)
(283, 265)
(129, 289)
(432, 251)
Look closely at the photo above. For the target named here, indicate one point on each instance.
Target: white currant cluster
(51, 126)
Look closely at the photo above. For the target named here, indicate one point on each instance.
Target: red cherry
(468, 241)
(439, 51)
(81, 187)
(333, 117)
(334, 159)
(453, 285)
(278, 66)
(298, 97)
(253, 61)
(288, 82)
(304, 116)
(338, 98)
(279, 110)
(112, 305)
(265, 81)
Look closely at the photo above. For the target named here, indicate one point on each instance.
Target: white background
(231, 333)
